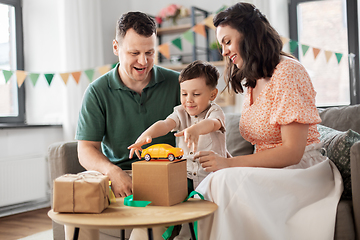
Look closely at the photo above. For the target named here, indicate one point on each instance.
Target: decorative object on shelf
(173, 12)
(215, 51)
(176, 59)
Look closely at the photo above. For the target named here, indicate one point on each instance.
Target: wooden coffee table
(119, 216)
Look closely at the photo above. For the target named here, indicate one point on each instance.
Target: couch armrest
(355, 184)
(63, 158)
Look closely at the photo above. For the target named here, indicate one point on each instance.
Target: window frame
(353, 41)
(19, 61)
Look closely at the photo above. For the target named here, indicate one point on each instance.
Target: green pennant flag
(305, 48)
(177, 43)
(7, 75)
(90, 74)
(338, 56)
(188, 35)
(293, 46)
(221, 9)
(49, 77)
(34, 77)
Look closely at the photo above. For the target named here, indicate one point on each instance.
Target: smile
(139, 69)
(233, 58)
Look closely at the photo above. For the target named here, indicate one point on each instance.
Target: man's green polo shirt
(116, 115)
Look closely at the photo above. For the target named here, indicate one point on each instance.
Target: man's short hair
(198, 69)
(140, 22)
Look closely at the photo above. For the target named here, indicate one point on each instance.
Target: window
(327, 36)
(12, 98)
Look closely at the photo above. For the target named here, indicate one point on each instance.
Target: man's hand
(121, 182)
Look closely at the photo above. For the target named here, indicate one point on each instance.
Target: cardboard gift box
(164, 183)
(86, 192)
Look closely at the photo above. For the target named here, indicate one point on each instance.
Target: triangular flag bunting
(7, 75)
(90, 74)
(293, 45)
(188, 35)
(222, 8)
(177, 42)
(316, 52)
(284, 40)
(34, 77)
(164, 50)
(199, 29)
(338, 56)
(20, 76)
(76, 76)
(328, 55)
(49, 77)
(304, 48)
(104, 69)
(65, 77)
(209, 22)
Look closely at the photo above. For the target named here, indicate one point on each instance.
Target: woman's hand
(211, 161)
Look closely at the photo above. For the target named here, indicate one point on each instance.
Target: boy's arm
(192, 133)
(160, 128)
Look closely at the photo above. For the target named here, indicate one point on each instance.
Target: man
(121, 104)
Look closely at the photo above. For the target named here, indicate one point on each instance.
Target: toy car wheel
(171, 157)
(179, 157)
(147, 157)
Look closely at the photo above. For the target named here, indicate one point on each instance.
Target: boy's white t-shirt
(214, 141)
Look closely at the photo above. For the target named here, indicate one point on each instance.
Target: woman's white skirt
(297, 202)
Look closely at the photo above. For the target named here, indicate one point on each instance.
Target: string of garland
(164, 49)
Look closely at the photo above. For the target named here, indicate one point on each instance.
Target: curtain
(276, 12)
(81, 48)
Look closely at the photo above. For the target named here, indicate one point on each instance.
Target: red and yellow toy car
(162, 151)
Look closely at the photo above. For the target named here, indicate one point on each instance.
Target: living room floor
(24, 224)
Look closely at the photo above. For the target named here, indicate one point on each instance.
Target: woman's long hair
(260, 47)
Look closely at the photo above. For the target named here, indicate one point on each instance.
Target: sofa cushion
(235, 143)
(344, 227)
(341, 118)
(337, 146)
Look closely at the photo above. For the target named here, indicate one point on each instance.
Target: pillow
(336, 147)
(235, 143)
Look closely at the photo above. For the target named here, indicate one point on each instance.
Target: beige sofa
(62, 158)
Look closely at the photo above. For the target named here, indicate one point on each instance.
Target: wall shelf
(195, 13)
(173, 29)
(179, 67)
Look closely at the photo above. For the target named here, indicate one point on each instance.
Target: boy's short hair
(140, 22)
(200, 69)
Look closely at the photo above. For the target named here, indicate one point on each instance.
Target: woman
(286, 189)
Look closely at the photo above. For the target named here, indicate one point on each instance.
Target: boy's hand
(191, 137)
(136, 147)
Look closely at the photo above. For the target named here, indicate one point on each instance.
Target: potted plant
(215, 51)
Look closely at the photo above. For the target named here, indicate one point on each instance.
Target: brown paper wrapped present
(86, 192)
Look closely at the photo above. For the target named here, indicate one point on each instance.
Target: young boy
(200, 124)
(199, 121)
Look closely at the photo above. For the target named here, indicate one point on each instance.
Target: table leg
(191, 226)
(76, 233)
(122, 234)
(150, 234)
